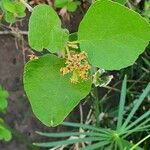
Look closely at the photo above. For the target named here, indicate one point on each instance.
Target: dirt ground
(19, 116)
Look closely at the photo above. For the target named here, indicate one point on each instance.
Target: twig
(27, 5)
(112, 88)
(81, 113)
(105, 96)
(12, 32)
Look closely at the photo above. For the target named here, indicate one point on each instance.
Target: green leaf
(58, 38)
(14, 7)
(21, 14)
(60, 4)
(8, 6)
(72, 6)
(3, 104)
(52, 95)
(5, 134)
(12, 10)
(45, 30)
(112, 35)
(9, 17)
(19, 7)
(68, 4)
(3, 99)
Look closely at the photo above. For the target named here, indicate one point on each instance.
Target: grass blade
(136, 106)
(67, 142)
(96, 145)
(145, 128)
(145, 115)
(141, 141)
(87, 127)
(146, 61)
(122, 103)
(143, 123)
(68, 134)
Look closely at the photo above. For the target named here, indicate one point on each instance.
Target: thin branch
(81, 113)
(27, 5)
(12, 32)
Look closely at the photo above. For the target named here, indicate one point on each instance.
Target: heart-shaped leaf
(52, 95)
(112, 35)
(45, 29)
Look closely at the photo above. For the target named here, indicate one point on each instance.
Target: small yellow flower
(74, 77)
(32, 56)
(77, 64)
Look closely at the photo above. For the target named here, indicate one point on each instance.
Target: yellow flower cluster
(32, 56)
(77, 64)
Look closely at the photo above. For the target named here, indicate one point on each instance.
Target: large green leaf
(112, 35)
(52, 95)
(45, 29)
